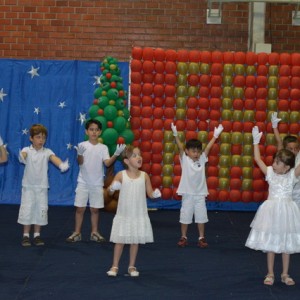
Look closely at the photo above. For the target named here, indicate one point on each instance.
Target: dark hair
(93, 121)
(37, 129)
(285, 156)
(289, 139)
(193, 144)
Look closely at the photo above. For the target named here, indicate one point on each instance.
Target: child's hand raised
(80, 149)
(120, 148)
(274, 120)
(256, 135)
(218, 131)
(174, 129)
(1, 141)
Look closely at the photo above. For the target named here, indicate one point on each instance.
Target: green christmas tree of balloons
(109, 106)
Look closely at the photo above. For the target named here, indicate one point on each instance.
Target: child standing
(193, 186)
(291, 143)
(91, 155)
(131, 225)
(34, 200)
(276, 225)
(3, 153)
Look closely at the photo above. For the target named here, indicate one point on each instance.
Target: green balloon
(98, 92)
(120, 86)
(126, 113)
(93, 111)
(182, 91)
(103, 102)
(182, 68)
(112, 94)
(119, 123)
(128, 135)
(103, 122)
(120, 104)
(110, 112)
(109, 136)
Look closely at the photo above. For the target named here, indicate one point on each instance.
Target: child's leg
(37, 230)
(201, 230)
(184, 228)
(285, 263)
(79, 218)
(133, 251)
(26, 230)
(270, 262)
(118, 250)
(94, 219)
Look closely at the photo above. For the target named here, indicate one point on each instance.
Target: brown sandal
(269, 279)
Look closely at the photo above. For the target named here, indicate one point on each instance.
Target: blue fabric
(36, 99)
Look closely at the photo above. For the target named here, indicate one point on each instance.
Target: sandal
(132, 271)
(269, 279)
(113, 272)
(286, 279)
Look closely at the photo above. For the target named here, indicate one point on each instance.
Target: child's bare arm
(275, 121)
(217, 132)
(177, 140)
(149, 189)
(62, 165)
(256, 138)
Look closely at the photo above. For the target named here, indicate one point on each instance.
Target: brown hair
(37, 129)
(285, 156)
(127, 153)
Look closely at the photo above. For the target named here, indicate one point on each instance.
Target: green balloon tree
(109, 106)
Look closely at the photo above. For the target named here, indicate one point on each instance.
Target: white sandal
(113, 272)
(132, 271)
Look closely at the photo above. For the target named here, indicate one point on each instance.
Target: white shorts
(34, 206)
(192, 205)
(91, 194)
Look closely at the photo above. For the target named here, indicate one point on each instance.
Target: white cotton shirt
(36, 168)
(193, 180)
(91, 171)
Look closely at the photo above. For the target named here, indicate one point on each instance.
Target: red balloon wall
(197, 90)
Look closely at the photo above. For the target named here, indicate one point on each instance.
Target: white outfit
(131, 224)
(193, 188)
(34, 200)
(276, 225)
(296, 190)
(91, 176)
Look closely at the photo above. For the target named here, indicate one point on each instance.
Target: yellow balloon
(166, 181)
(182, 68)
(247, 172)
(168, 158)
(169, 147)
(182, 91)
(168, 136)
(167, 170)
(247, 161)
(180, 102)
(224, 172)
(194, 68)
(247, 149)
(247, 184)
(180, 114)
(236, 160)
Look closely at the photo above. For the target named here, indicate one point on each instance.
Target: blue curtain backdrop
(57, 94)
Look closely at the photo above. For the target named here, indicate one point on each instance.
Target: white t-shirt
(193, 180)
(91, 171)
(36, 168)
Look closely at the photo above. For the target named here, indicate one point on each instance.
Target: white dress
(131, 224)
(276, 225)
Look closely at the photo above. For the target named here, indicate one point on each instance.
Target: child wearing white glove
(132, 212)
(34, 199)
(192, 186)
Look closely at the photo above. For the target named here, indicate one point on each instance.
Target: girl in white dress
(131, 225)
(276, 225)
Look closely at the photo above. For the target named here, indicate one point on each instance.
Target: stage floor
(226, 270)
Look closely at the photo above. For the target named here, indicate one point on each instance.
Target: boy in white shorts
(34, 199)
(91, 155)
(192, 185)
(3, 153)
(290, 142)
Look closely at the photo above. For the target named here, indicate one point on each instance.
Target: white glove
(64, 166)
(115, 186)
(256, 135)
(174, 129)
(21, 157)
(80, 149)
(218, 131)
(274, 120)
(1, 142)
(120, 148)
(156, 193)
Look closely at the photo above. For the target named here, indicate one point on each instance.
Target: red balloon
(271, 149)
(295, 71)
(227, 125)
(136, 77)
(236, 149)
(239, 57)
(212, 195)
(285, 58)
(223, 195)
(159, 67)
(191, 125)
(194, 56)
(261, 104)
(135, 89)
(176, 180)
(146, 101)
(206, 57)
(262, 58)
(214, 114)
(203, 114)
(182, 55)
(158, 124)
(283, 105)
(262, 70)
(135, 100)
(146, 135)
(213, 160)
(170, 90)
(167, 124)
(204, 80)
(135, 111)
(177, 170)
(260, 116)
(212, 171)
(148, 66)
(236, 172)
(170, 101)
(295, 58)
(251, 58)
(273, 58)
(285, 70)
(170, 67)
(147, 112)
(166, 193)
(146, 146)
(258, 196)
(283, 127)
(157, 135)
(237, 126)
(156, 181)
(235, 183)
(215, 149)
(135, 122)
(180, 125)
(170, 79)
(216, 80)
(295, 95)
(239, 81)
(148, 53)
(171, 55)
(247, 196)
(294, 128)
(217, 56)
(169, 113)
(190, 135)
(192, 102)
(159, 54)
(157, 147)
(204, 103)
(261, 81)
(157, 157)
(250, 81)
(235, 195)
(146, 157)
(216, 69)
(146, 123)
(248, 126)
(284, 94)
(228, 57)
(259, 185)
(148, 77)
(249, 104)
(156, 169)
(215, 103)
(147, 89)
(158, 101)
(136, 65)
(295, 83)
(158, 90)
(137, 53)
(193, 80)
(202, 125)
(216, 91)
(159, 78)
(158, 112)
(284, 82)
(238, 104)
(146, 168)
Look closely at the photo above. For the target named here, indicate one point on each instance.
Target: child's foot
(113, 272)
(182, 242)
(202, 243)
(132, 271)
(97, 237)
(38, 241)
(74, 237)
(285, 278)
(26, 241)
(269, 279)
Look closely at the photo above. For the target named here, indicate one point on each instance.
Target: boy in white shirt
(34, 199)
(91, 155)
(192, 185)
